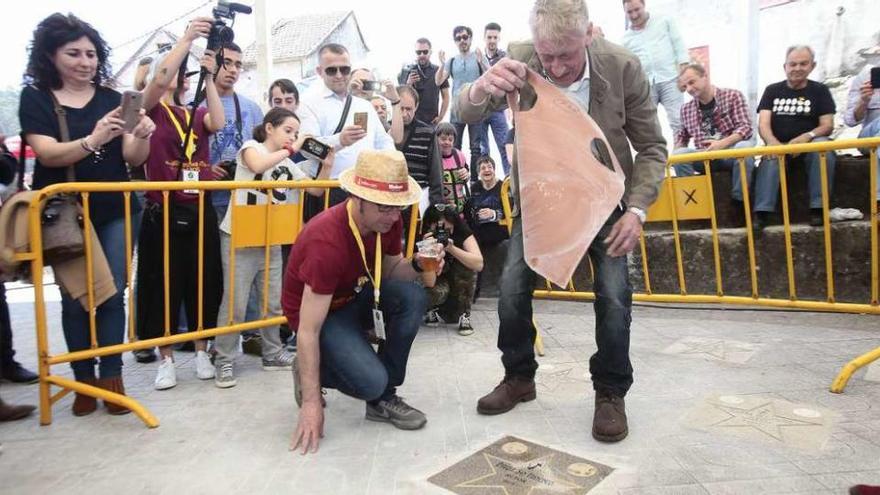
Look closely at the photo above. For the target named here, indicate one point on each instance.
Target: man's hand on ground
(624, 235)
(310, 429)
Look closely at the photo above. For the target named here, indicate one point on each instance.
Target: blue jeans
(731, 164)
(767, 185)
(610, 366)
(348, 362)
(668, 94)
(498, 122)
(110, 316)
(872, 130)
(475, 135)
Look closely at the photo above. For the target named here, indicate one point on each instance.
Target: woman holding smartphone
(266, 157)
(67, 67)
(169, 160)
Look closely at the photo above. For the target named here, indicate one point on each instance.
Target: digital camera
(222, 34)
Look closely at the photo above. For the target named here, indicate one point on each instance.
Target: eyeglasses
(441, 207)
(462, 37)
(228, 64)
(422, 52)
(344, 70)
(389, 208)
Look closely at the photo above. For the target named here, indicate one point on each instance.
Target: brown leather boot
(510, 392)
(609, 418)
(84, 404)
(11, 412)
(114, 385)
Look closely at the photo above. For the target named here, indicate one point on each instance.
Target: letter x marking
(690, 197)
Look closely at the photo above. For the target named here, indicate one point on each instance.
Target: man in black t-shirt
(795, 111)
(420, 76)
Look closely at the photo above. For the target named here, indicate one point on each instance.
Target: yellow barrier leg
(851, 367)
(539, 341)
(108, 396)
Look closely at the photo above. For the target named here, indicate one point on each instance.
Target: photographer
(267, 157)
(450, 297)
(168, 161)
(420, 75)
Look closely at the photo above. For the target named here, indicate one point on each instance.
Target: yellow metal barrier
(263, 228)
(673, 205)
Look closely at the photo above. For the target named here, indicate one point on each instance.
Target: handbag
(62, 218)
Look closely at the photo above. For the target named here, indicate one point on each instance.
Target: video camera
(222, 34)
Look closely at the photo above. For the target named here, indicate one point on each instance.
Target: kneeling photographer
(450, 297)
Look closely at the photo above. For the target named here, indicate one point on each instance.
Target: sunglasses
(462, 37)
(342, 69)
(389, 208)
(422, 52)
(441, 207)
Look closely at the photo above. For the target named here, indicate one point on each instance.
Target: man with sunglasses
(328, 112)
(346, 276)
(464, 68)
(608, 82)
(420, 76)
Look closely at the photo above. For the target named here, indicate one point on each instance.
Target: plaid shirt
(731, 116)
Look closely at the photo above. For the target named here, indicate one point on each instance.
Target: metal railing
(669, 208)
(270, 230)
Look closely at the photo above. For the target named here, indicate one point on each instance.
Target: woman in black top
(451, 295)
(68, 63)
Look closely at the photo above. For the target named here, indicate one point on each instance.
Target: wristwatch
(812, 135)
(635, 210)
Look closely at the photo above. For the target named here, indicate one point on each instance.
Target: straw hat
(381, 177)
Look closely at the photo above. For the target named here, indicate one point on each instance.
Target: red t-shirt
(164, 159)
(326, 257)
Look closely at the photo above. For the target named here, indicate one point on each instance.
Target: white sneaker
(843, 214)
(166, 376)
(204, 368)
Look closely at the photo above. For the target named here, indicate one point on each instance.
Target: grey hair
(795, 48)
(553, 19)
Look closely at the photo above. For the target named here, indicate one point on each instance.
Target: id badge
(191, 175)
(379, 324)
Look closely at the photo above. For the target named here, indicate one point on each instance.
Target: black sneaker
(760, 221)
(432, 318)
(396, 412)
(817, 219)
(16, 373)
(252, 346)
(145, 355)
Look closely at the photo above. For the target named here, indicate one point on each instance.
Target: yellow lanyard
(377, 280)
(191, 147)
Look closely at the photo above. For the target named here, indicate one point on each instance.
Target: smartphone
(360, 119)
(875, 77)
(315, 149)
(132, 101)
(372, 86)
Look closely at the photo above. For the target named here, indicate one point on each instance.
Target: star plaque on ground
(512, 466)
(764, 419)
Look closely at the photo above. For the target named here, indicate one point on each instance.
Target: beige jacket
(620, 103)
(70, 275)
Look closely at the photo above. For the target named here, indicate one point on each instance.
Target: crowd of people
(345, 286)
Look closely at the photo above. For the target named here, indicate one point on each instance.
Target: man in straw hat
(346, 275)
(608, 82)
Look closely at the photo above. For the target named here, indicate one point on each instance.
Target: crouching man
(346, 275)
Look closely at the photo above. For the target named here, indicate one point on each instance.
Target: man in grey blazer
(608, 82)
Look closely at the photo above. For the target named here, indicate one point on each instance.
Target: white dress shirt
(320, 112)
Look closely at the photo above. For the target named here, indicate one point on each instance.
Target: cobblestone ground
(724, 401)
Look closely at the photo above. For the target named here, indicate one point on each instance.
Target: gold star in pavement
(522, 477)
(718, 349)
(762, 418)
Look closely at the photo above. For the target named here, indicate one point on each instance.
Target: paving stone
(236, 440)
